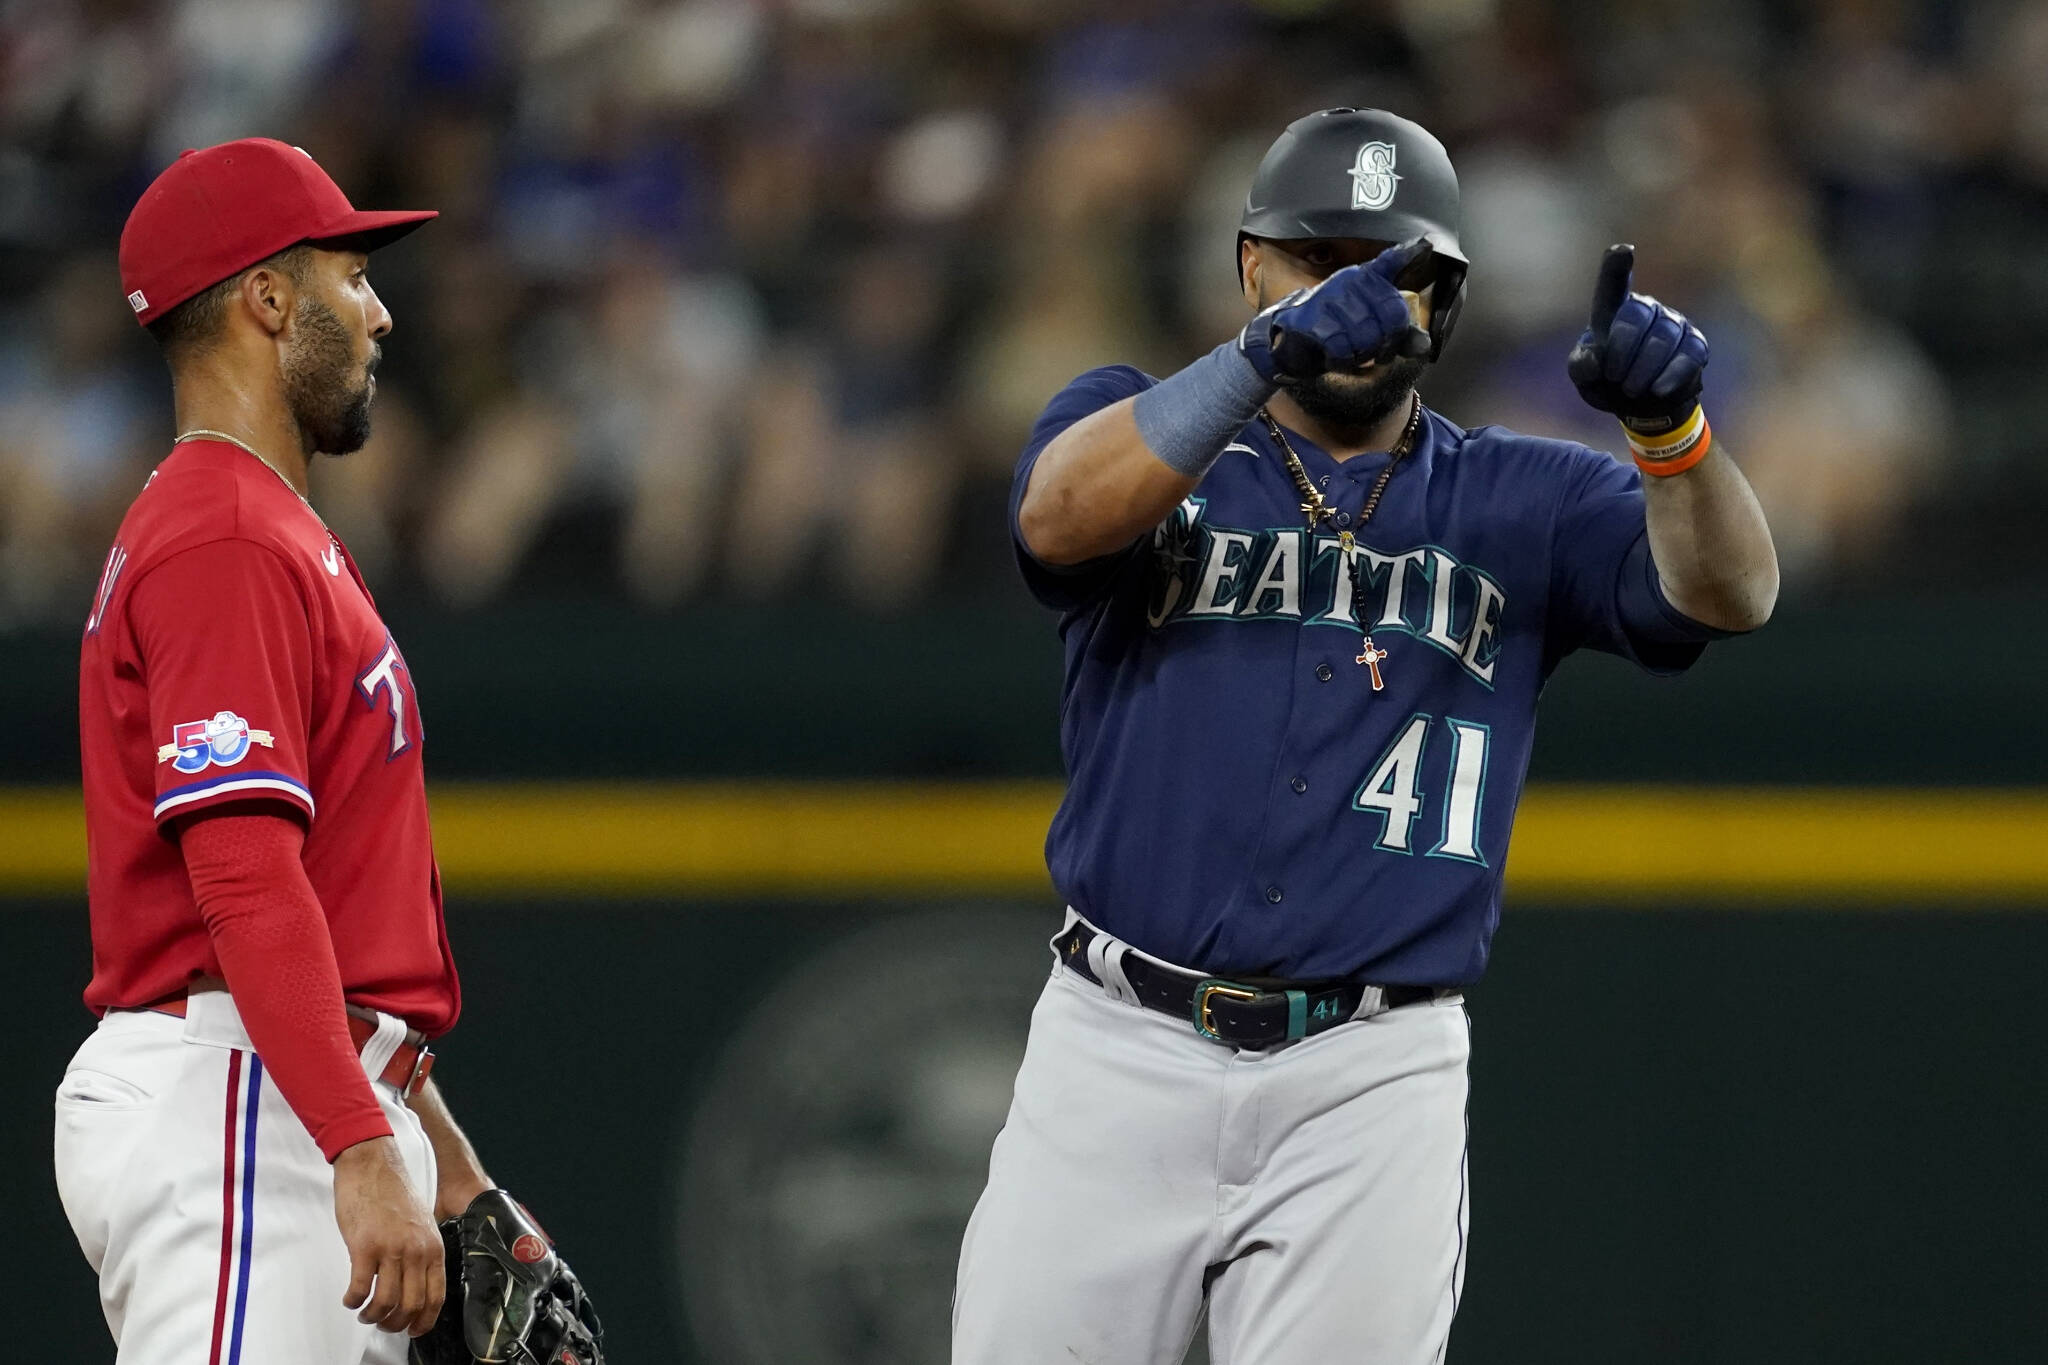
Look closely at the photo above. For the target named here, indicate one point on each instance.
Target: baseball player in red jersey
(248, 1146)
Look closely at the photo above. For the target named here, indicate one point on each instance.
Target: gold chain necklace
(1316, 508)
(205, 434)
(1314, 505)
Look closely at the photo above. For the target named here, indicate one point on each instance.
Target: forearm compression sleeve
(271, 938)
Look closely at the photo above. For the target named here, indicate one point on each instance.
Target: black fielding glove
(511, 1299)
(1639, 360)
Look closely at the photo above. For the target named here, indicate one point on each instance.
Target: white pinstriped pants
(1314, 1195)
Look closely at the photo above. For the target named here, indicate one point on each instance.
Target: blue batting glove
(1638, 360)
(1355, 316)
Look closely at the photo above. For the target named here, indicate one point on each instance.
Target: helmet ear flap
(1450, 292)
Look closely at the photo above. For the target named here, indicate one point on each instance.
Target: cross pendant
(1371, 657)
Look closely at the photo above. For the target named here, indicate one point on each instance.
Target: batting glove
(1355, 316)
(1639, 360)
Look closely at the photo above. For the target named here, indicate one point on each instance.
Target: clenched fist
(1356, 315)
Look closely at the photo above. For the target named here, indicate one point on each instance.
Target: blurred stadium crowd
(749, 298)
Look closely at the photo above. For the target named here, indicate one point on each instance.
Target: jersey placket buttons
(1300, 785)
(1323, 673)
(1272, 895)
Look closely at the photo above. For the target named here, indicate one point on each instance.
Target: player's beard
(328, 391)
(1355, 403)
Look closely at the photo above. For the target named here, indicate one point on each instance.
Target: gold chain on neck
(1314, 506)
(205, 434)
(1317, 509)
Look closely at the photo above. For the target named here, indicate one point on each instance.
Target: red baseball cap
(214, 213)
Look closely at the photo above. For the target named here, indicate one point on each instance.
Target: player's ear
(1248, 269)
(267, 294)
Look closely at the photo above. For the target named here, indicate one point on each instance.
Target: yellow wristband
(1675, 451)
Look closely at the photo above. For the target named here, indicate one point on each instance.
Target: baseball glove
(511, 1299)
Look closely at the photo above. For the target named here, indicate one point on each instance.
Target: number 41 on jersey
(1393, 789)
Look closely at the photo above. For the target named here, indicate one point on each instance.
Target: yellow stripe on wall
(1620, 844)
(42, 840)
(1877, 844)
(746, 837)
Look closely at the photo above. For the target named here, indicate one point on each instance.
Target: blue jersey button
(1342, 518)
(1299, 784)
(1323, 672)
(1272, 895)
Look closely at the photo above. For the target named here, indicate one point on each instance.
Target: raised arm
(1098, 486)
(1713, 550)
(1115, 474)
(1642, 362)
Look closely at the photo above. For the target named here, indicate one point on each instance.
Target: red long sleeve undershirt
(271, 938)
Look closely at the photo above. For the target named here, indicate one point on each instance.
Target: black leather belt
(1236, 1013)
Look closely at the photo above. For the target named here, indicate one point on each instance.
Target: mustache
(376, 359)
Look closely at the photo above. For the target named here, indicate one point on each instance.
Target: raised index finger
(1611, 290)
(1397, 260)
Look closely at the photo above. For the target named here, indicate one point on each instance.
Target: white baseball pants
(1313, 1196)
(201, 1200)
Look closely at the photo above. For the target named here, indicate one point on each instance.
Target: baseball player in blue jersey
(1306, 623)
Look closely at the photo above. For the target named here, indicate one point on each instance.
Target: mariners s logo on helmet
(1372, 176)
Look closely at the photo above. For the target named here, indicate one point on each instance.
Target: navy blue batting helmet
(1367, 174)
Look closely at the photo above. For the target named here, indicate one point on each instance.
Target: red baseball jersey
(234, 653)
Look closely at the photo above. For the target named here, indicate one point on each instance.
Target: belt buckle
(1207, 989)
(422, 1067)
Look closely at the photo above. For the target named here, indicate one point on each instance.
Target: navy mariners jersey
(1290, 759)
